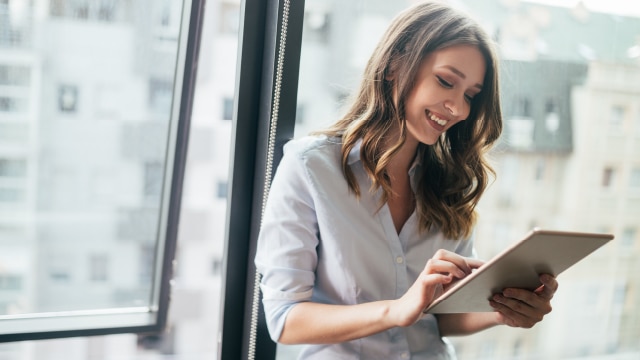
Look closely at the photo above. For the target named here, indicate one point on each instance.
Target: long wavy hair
(454, 171)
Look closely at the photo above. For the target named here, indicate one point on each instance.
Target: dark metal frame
(258, 51)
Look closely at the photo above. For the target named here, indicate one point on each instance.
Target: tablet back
(519, 266)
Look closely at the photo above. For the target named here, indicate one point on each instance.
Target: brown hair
(454, 171)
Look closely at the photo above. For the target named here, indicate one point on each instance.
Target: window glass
(83, 168)
(569, 83)
(72, 178)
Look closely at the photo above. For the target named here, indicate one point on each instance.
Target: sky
(620, 7)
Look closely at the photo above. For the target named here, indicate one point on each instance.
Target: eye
(468, 98)
(444, 83)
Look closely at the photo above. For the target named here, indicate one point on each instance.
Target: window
(617, 115)
(227, 108)
(125, 147)
(13, 168)
(12, 104)
(540, 169)
(10, 282)
(99, 268)
(160, 92)
(15, 75)
(67, 98)
(552, 118)
(222, 189)
(628, 239)
(608, 177)
(634, 180)
(74, 193)
(11, 195)
(153, 176)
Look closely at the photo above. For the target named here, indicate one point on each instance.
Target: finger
(512, 317)
(474, 263)
(525, 302)
(437, 266)
(464, 263)
(549, 282)
(531, 298)
(544, 292)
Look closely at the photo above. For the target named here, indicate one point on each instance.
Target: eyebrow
(462, 75)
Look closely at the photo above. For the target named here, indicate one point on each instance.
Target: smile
(439, 121)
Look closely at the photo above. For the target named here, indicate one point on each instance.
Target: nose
(458, 108)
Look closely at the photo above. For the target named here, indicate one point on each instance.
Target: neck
(403, 159)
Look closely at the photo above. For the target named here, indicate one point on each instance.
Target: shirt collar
(354, 154)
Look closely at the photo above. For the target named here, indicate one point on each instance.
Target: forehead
(466, 61)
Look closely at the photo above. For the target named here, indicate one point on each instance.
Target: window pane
(195, 306)
(569, 75)
(85, 160)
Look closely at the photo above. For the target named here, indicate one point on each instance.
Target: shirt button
(399, 259)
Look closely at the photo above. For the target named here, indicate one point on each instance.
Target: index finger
(464, 263)
(474, 263)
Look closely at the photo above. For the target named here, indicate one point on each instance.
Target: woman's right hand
(440, 271)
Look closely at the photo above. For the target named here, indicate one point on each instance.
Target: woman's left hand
(525, 308)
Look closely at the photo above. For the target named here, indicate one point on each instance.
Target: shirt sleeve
(286, 254)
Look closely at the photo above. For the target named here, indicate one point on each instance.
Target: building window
(221, 190)
(300, 115)
(12, 104)
(15, 168)
(15, 75)
(540, 169)
(634, 180)
(616, 118)
(10, 282)
(628, 238)
(99, 267)
(12, 195)
(520, 133)
(67, 98)
(160, 95)
(153, 176)
(227, 108)
(522, 107)
(552, 117)
(608, 176)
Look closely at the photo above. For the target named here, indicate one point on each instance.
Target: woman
(369, 220)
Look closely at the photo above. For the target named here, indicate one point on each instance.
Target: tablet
(519, 266)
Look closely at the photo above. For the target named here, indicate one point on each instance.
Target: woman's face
(446, 83)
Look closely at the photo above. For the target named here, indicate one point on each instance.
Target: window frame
(264, 119)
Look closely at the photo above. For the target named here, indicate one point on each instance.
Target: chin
(429, 141)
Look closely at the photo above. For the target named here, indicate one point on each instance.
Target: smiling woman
(554, 100)
(93, 95)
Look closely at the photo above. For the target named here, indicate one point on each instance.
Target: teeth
(441, 122)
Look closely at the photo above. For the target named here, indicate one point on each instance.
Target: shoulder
(314, 149)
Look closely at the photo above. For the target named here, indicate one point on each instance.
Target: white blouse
(319, 243)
